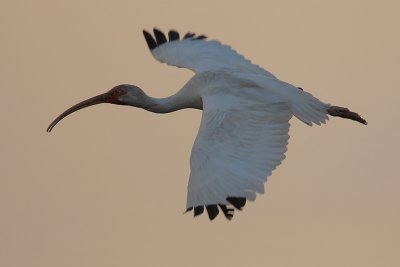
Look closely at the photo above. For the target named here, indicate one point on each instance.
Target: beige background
(108, 186)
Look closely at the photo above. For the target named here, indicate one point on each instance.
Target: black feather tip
(160, 38)
(213, 211)
(200, 37)
(198, 210)
(173, 35)
(150, 40)
(237, 202)
(188, 35)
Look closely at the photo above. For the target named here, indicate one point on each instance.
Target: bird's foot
(345, 113)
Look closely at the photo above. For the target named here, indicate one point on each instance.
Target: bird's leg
(345, 113)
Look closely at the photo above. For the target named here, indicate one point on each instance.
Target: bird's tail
(308, 108)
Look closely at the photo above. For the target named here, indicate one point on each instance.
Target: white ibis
(245, 122)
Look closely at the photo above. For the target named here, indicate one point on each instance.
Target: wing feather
(160, 37)
(236, 149)
(173, 35)
(198, 54)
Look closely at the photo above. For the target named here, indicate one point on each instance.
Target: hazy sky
(108, 186)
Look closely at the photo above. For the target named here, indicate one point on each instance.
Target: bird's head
(124, 94)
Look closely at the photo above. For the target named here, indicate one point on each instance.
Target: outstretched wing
(196, 53)
(236, 149)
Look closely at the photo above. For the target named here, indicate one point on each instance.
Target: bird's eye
(118, 92)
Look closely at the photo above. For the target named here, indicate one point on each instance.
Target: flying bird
(244, 128)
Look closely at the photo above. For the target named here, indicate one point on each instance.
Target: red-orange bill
(103, 98)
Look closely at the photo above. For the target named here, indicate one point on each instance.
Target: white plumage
(201, 55)
(244, 128)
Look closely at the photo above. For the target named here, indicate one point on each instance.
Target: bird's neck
(160, 105)
(169, 104)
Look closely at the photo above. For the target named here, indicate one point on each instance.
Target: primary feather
(198, 54)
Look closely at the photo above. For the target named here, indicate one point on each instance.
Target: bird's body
(243, 134)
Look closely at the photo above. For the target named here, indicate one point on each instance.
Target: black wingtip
(173, 35)
(200, 37)
(150, 40)
(160, 36)
(237, 202)
(227, 212)
(212, 211)
(198, 210)
(188, 35)
(189, 209)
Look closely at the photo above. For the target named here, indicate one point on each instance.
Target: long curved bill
(103, 98)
